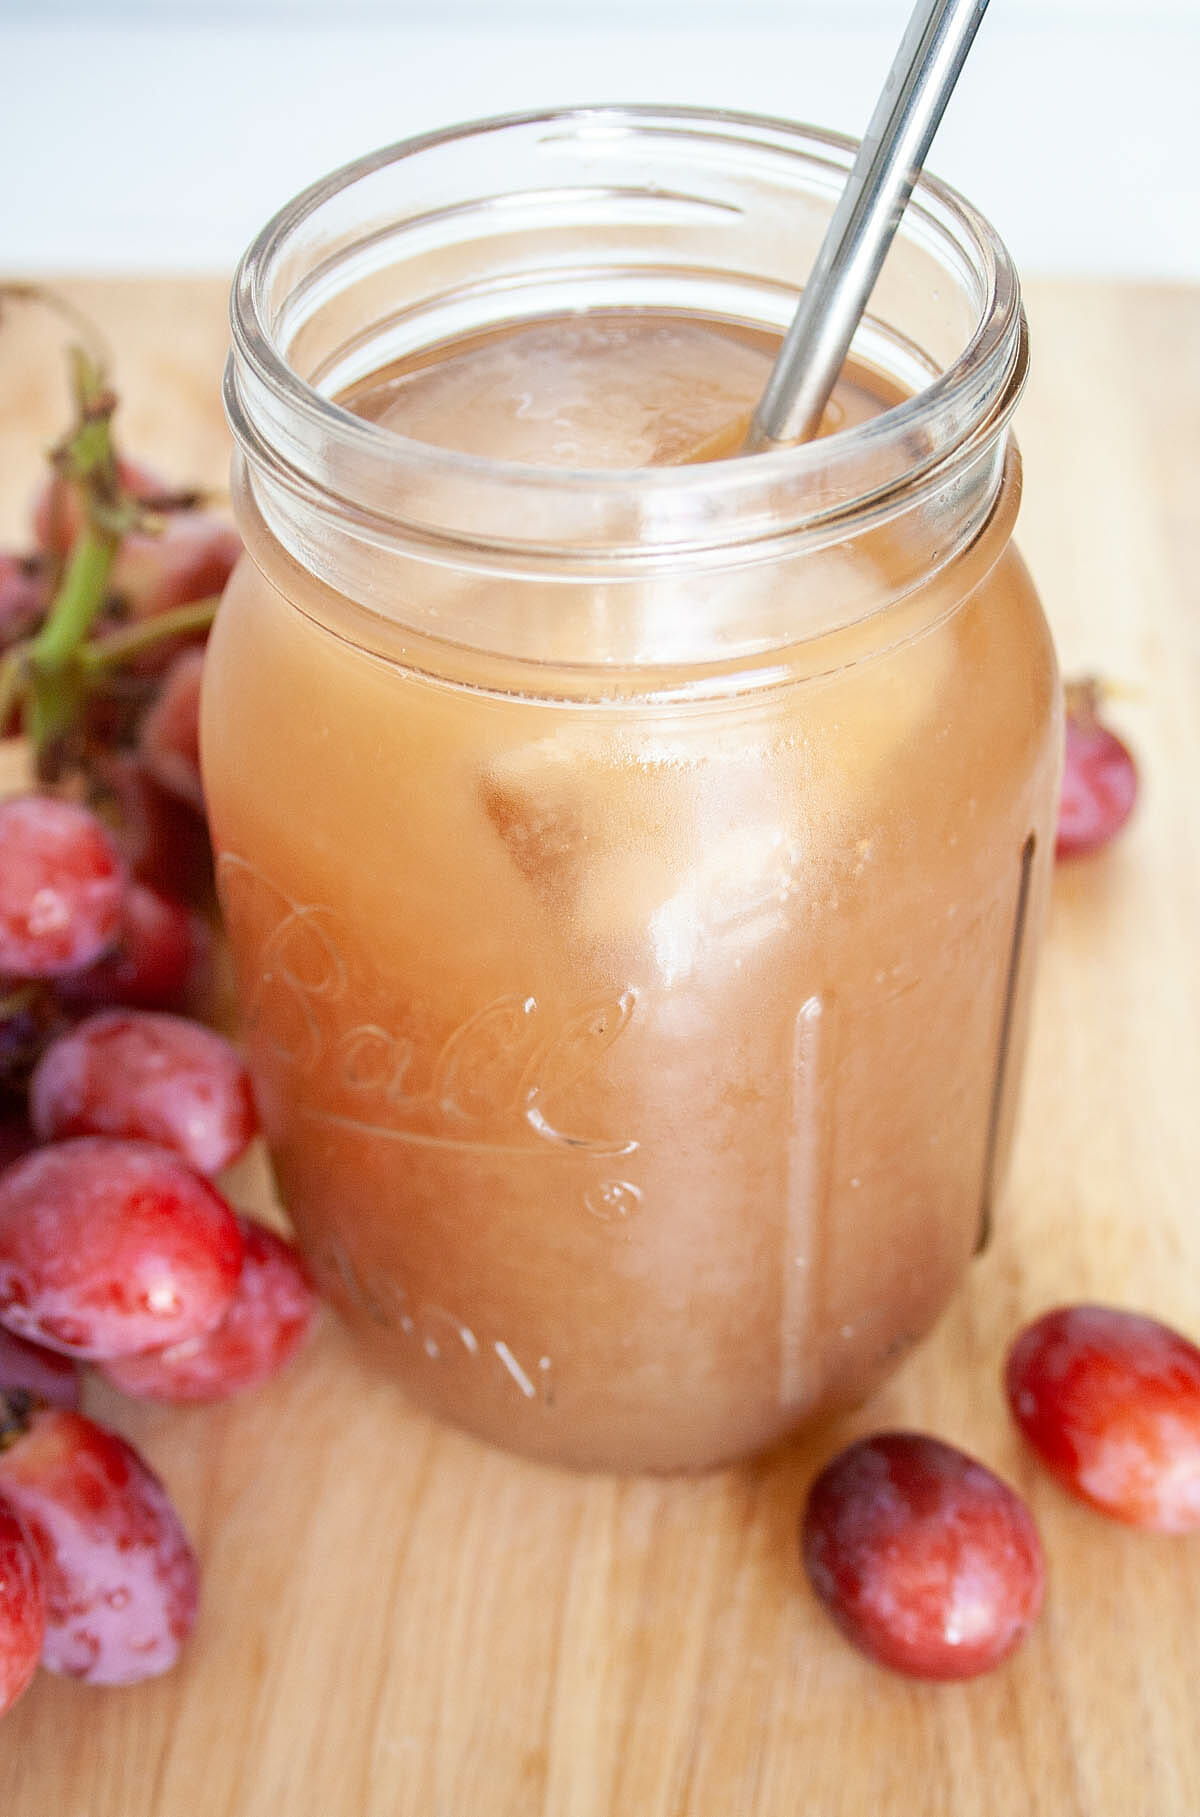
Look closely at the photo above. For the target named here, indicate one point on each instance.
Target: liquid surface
(604, 390)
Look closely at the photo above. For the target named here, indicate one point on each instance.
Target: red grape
(22, 1607)
(925, 1560)
(16, 1138)
(269, 1318)
(58, 515)
(1110, 1401)
(151, 1077)
(24, 596)
(161, 959)
(109, 1247)
(32, 1014)
(118, 1573)
(164, 840)
(189, 559)
(1100, 780)
(170, 734)
(62, 887)
(44, 1373)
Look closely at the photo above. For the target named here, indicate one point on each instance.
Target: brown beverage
(635, 1019)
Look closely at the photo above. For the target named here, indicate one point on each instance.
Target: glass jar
(633, 877)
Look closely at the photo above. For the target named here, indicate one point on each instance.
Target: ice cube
(734, 898)
(687, 857)
(569, 802)
(535, 805)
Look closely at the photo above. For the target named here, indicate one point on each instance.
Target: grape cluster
(118, 1252)
(124, 927)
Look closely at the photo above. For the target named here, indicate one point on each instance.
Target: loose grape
(1100, 781)
(1110, 1401)
(925, 1560)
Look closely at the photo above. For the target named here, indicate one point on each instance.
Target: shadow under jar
(633, 871)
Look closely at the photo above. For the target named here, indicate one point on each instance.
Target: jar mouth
(367, 223)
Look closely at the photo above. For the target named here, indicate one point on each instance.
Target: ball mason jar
(633, 876)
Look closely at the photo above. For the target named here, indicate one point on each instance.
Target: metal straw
(919, 84)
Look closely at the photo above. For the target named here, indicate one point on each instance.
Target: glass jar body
(636, 1042)
(633, 1072)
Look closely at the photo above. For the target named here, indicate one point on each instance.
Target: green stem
(131, 640)
(12, 681)
(52, 710)
(53, 665)
(79, 599)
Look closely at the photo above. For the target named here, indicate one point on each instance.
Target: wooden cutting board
(400, 1623)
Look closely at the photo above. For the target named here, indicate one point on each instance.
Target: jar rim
(966, 404)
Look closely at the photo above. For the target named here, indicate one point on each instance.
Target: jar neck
(634, 208)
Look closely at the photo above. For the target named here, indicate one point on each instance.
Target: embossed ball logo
(516, 1082)
(498, 1081)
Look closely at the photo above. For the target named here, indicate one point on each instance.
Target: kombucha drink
(637, 1057)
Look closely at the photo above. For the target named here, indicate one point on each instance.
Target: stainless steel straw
(919, 84)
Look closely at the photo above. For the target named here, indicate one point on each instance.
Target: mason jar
(633, 873)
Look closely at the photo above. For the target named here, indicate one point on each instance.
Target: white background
(160, 134)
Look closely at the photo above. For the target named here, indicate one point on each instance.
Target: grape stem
(54, 693)
(51, 671)
(52, 667)
(13, 680)
(131, 640)
(48, 675)
(78, 599)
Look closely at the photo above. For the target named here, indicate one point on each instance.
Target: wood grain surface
(398, 1622)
